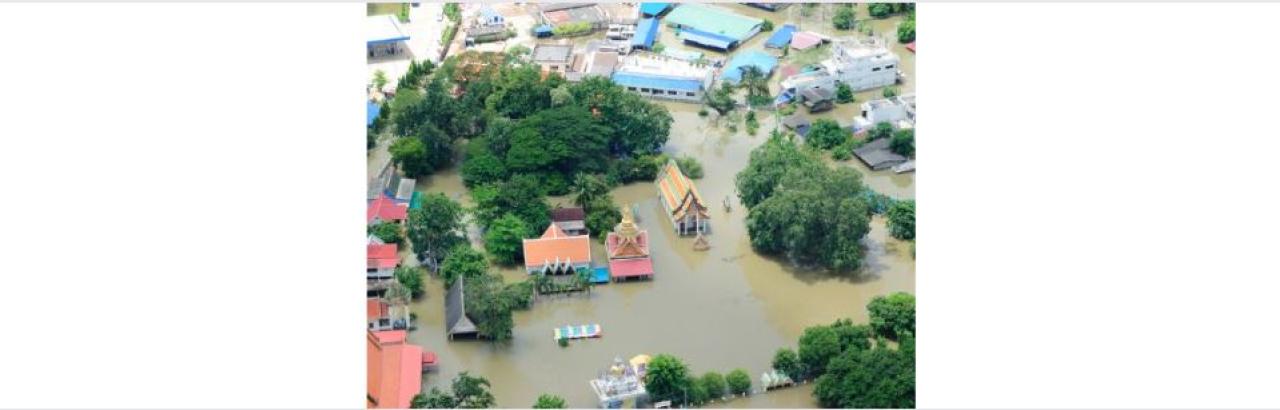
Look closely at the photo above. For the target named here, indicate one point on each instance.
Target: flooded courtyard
(718, 310)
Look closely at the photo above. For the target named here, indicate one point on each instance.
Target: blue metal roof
(374, 110)
(542, 29)
(760, 59)
(781, 38)
(706, 39)
(639, 80)
(653, 9)
(646, 32)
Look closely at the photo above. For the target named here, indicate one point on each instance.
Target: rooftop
(876, 154)
(394, 370)
(555, 245)
(568, 214)
(386, 209)
(713, 19)
(656, 65)
(552, 53)
(752, 58)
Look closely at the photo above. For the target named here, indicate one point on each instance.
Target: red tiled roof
(395, 370)
(617, 249)
(377, 309)
(386, 209)
(556, 245)
(625, 268)
(911, 47)
(382, 256)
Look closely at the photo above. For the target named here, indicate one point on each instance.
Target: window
(689, 94)
(888, 67)
(875, 69)
(672, 92)
(631, 88)
(644, 90)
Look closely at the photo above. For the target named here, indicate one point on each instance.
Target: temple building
(557, 252)
(628, 249)
(681, 201)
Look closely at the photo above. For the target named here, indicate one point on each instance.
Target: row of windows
(888, 67)
(657, 91)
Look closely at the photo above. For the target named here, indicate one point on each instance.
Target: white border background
(183, 184)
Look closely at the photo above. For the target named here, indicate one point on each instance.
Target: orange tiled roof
(555, 244)
(678, 192)
(395, 370)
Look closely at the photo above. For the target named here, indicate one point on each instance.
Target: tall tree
(436, 399)
(739, 382)
(522, 196)
(818, 345)
(472, 392)
(667, 378)
(787, 362)
(436, 227)
(875, 378)
(588, 188)
(893, 315)
(463, 262)
(902, 219)
(490, 307)
(504, 240)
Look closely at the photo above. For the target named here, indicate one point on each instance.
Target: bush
(572, 29)
(826, 134)
(881, 130)
(843, 19)
(902, 220)
(880, 10)
(738, 381)
(767, 25)
(787, 362)
(411, 278)
(844, 94)
(690, 166)
(388, 232)
(890, 92)
(702, 112)
(714, 384)
(907, 31)
(752, 123)
(904, 142)
(550, 401)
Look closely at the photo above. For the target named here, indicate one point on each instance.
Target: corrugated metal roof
(374, 110)
(383, 29)
(639, 80)
(714, 19)
(759, 59)
(646, 32)
(653, 9)
(706, 39)
(781, 37)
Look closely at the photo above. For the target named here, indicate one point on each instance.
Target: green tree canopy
(490, 303)
(843, 19)
(881, 130)
(904, 142)
(410, 277)
(563, 141)
(714, 384)
(818, 345)
(907, 30)
(844, 94)
(587, 188)
(787, 362)
(550, 401)
(816, 216)
(463, 262)
(388, 232)
(472, 392)
(689, 166)
(522, 196)
(436, 227)
(875, 378)
(435, 399)
(739, 382)
(826, 134)
(602, 216)
(893, 315)
(902, 219)
(637, 126)
(504, 240)
(767, 164)
(667, 378)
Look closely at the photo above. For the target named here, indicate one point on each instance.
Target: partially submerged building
(553, 58)
(628, 250)
(817, 99)
(557, 252)
(600, 59)
(663, 77)
(646, 33)
(394, 369)
(754, 58)
(683, 205)
(384, 36)
(900, 111)
(781, 37)
(456, 320)
(382, 260)
(798, 123)
(711, 26)
(571, 220)
(386, 209)
(877, 155)
(862, 65)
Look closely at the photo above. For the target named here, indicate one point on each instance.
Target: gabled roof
(568, 214)
(646, 33)
(394, 370)
(627, 239)
(781, 38)
(556, 246)
(678, 192)
(386, 209)
(455, 310)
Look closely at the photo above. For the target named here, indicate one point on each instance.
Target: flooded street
(717, 310)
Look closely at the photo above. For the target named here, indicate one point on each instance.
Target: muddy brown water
(717, 310)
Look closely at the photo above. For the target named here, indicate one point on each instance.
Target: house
(862, 65)
(817, 99)
(877, 156)
(553, 58)
(599, 60)
(711, 26)
(394, 369)
(680, 199)
(384, 37)
(379, 314)
(456, 321)
(570, 220)
(663, 78)
(386, 209)
(557, 252)
(382, 261)
(490, 18)
(797, 123)
(558, 14)
(781, 37)
(628, 250)
(899, 111)
(645, 34)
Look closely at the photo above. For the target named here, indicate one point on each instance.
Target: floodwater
(718, 310)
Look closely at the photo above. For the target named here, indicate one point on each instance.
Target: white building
(899, 111)
(663, 77)
(860, 64)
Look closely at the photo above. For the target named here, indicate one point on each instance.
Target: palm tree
(755, 82)
(589, 188)
(397, 295)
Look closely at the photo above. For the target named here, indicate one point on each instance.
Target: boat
(577, 332)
